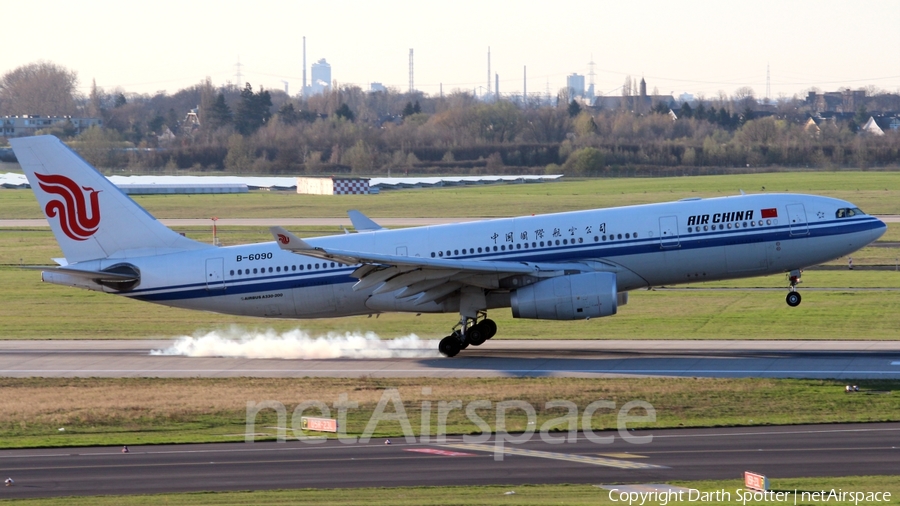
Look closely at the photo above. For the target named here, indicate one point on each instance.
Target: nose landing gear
(469, 331)
(793, 297)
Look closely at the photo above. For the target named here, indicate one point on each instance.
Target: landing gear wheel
(488, 327)
(449, 346)
(476, 335)
(793, 299)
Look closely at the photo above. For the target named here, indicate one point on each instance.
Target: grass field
(874, 192)
(30, 309)
(117, 411)
(486, 495)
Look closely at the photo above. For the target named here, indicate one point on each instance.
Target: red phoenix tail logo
(283, 239)
(77, 221)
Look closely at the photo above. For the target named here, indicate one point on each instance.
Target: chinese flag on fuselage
(770, 213)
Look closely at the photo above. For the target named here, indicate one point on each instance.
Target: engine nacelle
(573, 297)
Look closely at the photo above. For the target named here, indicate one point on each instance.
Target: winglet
(362, 223)
(289, 241)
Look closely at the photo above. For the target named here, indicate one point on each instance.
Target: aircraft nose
(879, 230)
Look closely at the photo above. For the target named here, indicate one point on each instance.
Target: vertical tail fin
(90, 217)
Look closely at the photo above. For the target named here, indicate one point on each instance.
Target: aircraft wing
(430, 278)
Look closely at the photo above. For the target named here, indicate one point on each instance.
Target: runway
(673, 454)
(495, 358)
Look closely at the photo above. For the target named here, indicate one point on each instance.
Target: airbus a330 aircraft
(565, 266)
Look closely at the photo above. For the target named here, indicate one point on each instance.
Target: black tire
(489, 328)
(449, 346)
(793, 299)
(476, 335)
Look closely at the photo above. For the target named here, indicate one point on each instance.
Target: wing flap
(432, 278)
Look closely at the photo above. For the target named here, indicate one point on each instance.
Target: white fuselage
(646, 245)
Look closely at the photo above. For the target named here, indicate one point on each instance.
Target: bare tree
(744, 98)
(41, 88)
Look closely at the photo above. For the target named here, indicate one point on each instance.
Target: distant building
(20, 126)
(373, 87)
(333, 185)
(871, 127)
(192, 119)
(836, 101)
(640, 104)
(575, 85)
(321, 77)
(812, 128)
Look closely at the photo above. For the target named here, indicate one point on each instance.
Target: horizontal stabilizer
(97, 276)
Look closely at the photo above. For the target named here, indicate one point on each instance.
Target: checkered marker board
(351, 187)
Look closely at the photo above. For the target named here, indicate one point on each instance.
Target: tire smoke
(299, 344)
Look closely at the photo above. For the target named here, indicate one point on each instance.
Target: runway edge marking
(584, 459)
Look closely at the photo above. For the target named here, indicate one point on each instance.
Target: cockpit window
(846, 212)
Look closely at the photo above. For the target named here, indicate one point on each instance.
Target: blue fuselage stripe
(562, 253)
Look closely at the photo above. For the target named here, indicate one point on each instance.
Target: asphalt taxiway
(495, 358)
(673, 454)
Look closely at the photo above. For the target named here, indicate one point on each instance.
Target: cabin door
(797, 217)
(215, 279)
(668, 232)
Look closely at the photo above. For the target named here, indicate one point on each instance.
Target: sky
(698, 47)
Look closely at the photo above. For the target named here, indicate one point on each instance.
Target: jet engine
(572, 297)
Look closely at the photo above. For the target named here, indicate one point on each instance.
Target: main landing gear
(468, 331)
(793, 297)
